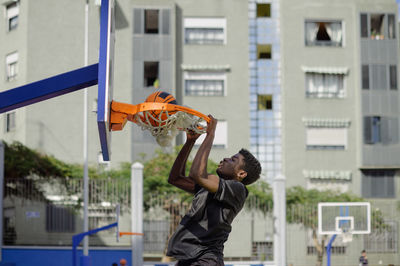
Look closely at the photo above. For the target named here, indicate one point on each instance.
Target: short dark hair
(252, 166)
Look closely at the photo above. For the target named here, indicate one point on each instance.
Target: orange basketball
(159, 97)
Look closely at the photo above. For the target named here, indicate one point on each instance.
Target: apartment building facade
(340, 105)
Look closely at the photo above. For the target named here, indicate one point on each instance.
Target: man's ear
(242, 174)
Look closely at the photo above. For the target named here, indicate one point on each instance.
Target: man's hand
(192, 136)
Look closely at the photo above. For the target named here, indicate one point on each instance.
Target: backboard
(344, 217)
(106, 75)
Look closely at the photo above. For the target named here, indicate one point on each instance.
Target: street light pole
(85, 142)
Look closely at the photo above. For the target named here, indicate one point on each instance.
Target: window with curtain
(205, 83)
(205, 30)
(324, 85)
(323, 33)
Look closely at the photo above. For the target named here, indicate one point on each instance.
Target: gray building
(341, 106)
(194, 52)
(341, 100)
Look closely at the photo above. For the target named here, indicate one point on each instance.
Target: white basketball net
(165, 130)
(347, 236)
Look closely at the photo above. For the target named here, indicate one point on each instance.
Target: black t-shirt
(205, 228)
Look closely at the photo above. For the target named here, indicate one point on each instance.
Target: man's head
(243, 167)
(363, 253)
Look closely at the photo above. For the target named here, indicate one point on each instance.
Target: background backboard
(339, 217)
(106, 75)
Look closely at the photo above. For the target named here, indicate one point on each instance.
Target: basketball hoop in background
(163, 120)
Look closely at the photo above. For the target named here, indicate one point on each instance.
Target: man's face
(230, 168)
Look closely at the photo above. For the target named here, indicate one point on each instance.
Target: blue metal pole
(328, 250)
(76, 239)
(49, 88)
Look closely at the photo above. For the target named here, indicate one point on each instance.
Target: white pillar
(137, 213)
(1, 196)
(279, 194)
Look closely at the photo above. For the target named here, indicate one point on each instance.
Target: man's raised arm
(177, 176)
(198, 171)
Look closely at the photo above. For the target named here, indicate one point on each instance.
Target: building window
(10, 122)
(323, 85)
(323, 33)
(150, 73)
(365, 77)
(263, 10)
(340, 250)
(372, 129)
(11, 66)
(393, 77)
(378, 129)
(205, 30)
(377, 26)
(59, 219)
(264, 102)
(151, 21)
(383, 239)
(221, 136)
(205, 83)
(263, 251)
(323, 138)
(375, 77)
(378, 183)
(12, 12)
(264, 51)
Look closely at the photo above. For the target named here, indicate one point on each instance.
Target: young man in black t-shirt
(200, 236)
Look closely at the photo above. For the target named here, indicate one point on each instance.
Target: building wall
(234, 105)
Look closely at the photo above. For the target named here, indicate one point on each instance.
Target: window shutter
(393, 130)
(165, 18)
(138, 21)
(364, 25)
(368, 130)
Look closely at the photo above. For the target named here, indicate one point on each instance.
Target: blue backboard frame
(106, 75)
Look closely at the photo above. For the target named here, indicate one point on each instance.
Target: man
(363, 258)
(200, 236)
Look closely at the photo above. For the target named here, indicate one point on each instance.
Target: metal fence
(48, 212)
